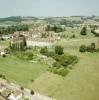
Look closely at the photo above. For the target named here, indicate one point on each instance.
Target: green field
(76, 43)
(82, 82)
(76, 31)
(19, 71)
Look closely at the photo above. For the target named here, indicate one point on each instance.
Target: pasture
(20, 71)
(76, 31)
(80, 84)
(82, 81)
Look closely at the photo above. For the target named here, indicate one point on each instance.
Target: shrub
(93, 46)
(97, 50)
(54, 70)
(62, 71)
(82, 48)
(29, 55)
(56, 64)
(66, 60)
(59, 50)
(90, 48)
(73, 36)
(7, 50)
(32, 92)
(4, 55)
(44, 51)
(83, 31)
(32, 81)
(2, 76)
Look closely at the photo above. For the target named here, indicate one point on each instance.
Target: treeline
(12, 29)
(13, 18)
(55, 28)
(69, 23)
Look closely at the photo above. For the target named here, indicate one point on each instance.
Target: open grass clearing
(82, 82)
(19, 71)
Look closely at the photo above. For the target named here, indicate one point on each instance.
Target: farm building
(40, 42)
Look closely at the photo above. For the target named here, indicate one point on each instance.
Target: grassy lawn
(82, 82)
(19, 71)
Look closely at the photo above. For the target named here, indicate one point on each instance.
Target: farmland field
(80, 84)
(19, 71)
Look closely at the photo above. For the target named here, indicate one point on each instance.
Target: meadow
(82, 81)
(20, 71)
(80, 84)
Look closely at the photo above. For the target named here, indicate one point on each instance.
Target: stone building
(18, 41)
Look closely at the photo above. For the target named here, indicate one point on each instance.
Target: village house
(15, 95)
(9, 91)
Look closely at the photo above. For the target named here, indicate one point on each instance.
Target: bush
(66, 60)
(97, 50)
(93, 46)
(56, 64)
(59, 50)
(27, 55)
(4, 55)
(32, 92)
(82, 48)
(62, 71)
(2, 76)
(7, 50)
(44, 51)
(83, 31)
(73, 36)
(90, 48)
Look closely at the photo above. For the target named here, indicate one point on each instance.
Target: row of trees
(12, 29)
(93, 28)
(13, 18)
(89, 48)
(69, 23)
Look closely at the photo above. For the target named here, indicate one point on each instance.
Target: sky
(48, 8)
